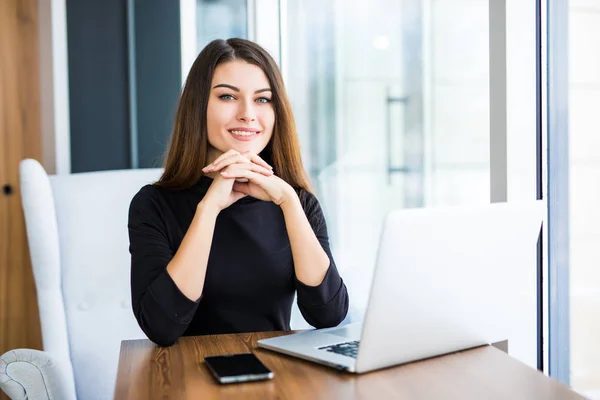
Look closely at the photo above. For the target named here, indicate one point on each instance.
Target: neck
(213, 154)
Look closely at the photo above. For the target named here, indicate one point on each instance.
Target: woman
(231, 231)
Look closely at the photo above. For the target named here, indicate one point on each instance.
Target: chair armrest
(32, 374)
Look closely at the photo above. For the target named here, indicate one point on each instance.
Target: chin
(254, 148)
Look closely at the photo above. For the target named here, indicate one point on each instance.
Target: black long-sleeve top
(250, 279)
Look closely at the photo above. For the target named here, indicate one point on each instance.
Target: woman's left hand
(267, 188)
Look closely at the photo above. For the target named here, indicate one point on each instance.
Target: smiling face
(240, 113)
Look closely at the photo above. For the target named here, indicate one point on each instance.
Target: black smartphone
(232, 368)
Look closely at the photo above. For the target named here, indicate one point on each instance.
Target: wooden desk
(147, 371)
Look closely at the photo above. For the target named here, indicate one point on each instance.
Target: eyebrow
(237, 89)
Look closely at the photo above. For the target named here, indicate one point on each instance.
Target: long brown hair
(188, 147)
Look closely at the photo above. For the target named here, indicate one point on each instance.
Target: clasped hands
(250, 175)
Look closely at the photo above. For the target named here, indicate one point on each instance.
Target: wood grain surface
(19, 138)
(147, 371)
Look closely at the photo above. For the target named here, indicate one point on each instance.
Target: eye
(263, 100)
(226, 97)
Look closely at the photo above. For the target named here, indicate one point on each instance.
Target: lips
(244, 134)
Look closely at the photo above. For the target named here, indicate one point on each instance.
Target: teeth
(243, 133)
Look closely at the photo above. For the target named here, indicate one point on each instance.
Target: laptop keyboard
(349, 349)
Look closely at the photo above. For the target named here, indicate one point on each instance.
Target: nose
(247, 112)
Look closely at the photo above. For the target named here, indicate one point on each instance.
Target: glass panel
(391, 101)
(584, 190)
(220, 19)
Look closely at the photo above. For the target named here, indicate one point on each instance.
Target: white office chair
(78, 241)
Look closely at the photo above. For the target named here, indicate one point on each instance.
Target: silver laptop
(438, 286)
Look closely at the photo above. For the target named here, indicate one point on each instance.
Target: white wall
(584, 191)
(521, 138)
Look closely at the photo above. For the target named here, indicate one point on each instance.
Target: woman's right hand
(220, 194)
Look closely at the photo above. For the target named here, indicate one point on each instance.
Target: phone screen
(237, 368)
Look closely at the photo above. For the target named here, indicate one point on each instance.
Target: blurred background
(398, 104)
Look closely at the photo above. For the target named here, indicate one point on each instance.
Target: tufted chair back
(77, 232)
